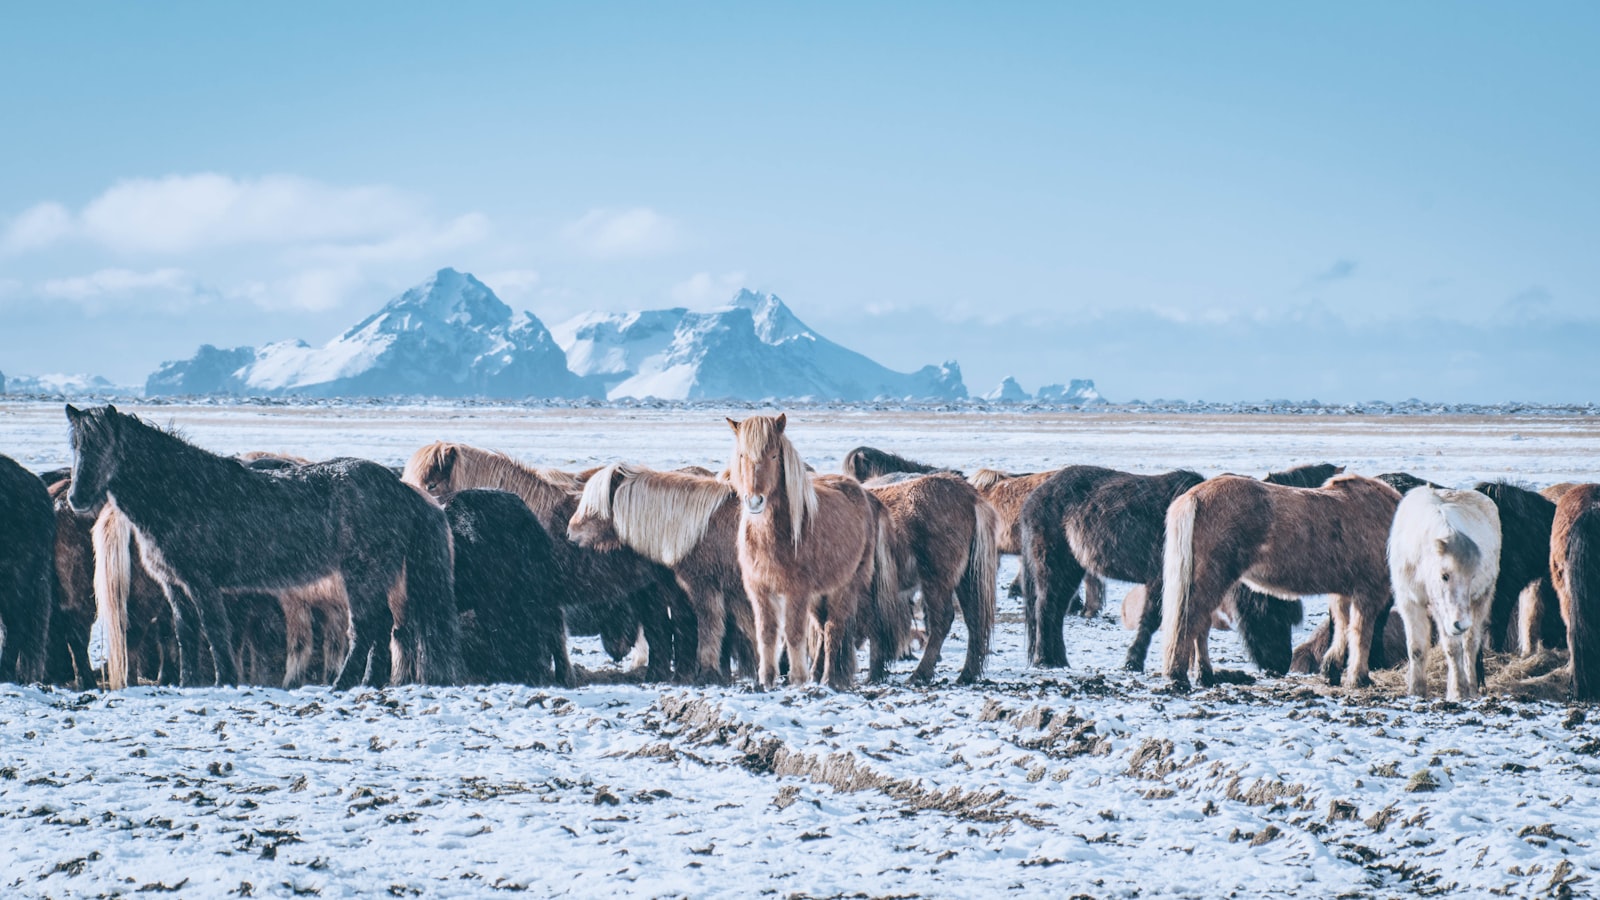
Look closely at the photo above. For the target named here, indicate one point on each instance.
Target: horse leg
(218, 628)
(1054, 579)
(765, 611)
(711, 616)
(1094, 595)
(1149, 621)
(1363, 616)
(939, 613)
(1415, 616)
(186, 633)
(297, 641)
(797, 616)
(371, 627)
(1333, 661)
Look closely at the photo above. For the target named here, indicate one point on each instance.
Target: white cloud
(167, 289)
(182, 213)
(38, 226)
(614, 234)
(703, 288)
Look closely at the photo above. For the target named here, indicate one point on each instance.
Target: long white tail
(113, 573)
(978, 582)
(1177, 572)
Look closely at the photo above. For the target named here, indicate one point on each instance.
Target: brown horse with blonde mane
(951, 534)
(1283, 541)
(688, 523)
(809, 551)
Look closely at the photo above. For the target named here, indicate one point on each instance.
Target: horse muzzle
(755, 504)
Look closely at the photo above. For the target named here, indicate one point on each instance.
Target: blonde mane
(660, 515)
(471, 467)
(755, 434)
(986, 479)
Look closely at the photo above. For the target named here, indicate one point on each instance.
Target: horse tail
(435, 640)
(893, 625)
(977, 585)
(1177, 572)
(113, 578)
(1583, 606)
(1266, 626)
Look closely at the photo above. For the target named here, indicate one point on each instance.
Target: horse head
(432, 468)
(95, 434)
(592, 524)
(1449, 571)
(757, 467)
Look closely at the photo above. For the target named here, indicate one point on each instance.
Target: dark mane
(1308, 476)
(863, 463)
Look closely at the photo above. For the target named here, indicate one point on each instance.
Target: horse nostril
(1461, 626)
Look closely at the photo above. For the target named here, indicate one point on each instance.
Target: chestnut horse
(809, 551)
(688, 523)
(1575, 570)
(1444, 554)
(1284, 541)
(951, 534)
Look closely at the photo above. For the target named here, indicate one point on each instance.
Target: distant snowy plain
(1086, 781)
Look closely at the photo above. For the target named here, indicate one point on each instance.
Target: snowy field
(1088, 781)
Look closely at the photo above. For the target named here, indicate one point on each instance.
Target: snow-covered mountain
(752, 349)
(447, 337)
(59, 384)
(1077, 392)
(1008, 391)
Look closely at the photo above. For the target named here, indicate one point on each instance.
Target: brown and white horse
(808, 551)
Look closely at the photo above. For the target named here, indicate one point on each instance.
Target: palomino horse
(1007, 492)
(579, 577)
(1444, 554)
(1575, 569)
(866, 463)
(688, 523)
(951, 534)
(808, 551)
(27, 572)
(1284, 541)
(208, 526)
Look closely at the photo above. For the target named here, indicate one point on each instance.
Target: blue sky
(1145, 194)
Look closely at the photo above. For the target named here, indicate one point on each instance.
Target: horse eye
(1445, 576)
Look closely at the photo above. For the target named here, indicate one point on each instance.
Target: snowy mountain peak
(774, 321)
(1008, 391)
(448, 298)
(449, 336)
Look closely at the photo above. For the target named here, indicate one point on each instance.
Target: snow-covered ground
(1088, 781)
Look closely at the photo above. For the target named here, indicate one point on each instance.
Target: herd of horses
(468, 566)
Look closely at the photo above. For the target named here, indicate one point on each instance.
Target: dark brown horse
(1526, 521)
(1007, 492)
(1283, 541)
(1575, 570)
(952, 535)
(864, 463)
(1087, 518)
(27, 572)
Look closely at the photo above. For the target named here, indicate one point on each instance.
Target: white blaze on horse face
(1452, 600)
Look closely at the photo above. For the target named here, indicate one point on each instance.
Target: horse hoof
(1179, 684)
(1133, 665)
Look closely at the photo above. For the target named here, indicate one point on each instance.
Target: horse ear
(782, 420)
(733, 424)
(111, 411)
(73, 414)
(1444, 546)
(1338, 470)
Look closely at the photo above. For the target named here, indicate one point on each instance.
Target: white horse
(1444, 556)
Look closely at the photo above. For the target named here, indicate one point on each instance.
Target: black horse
(1526, 521)
(212, 527)
(512, 630)
(27, 572)
(863, 463)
